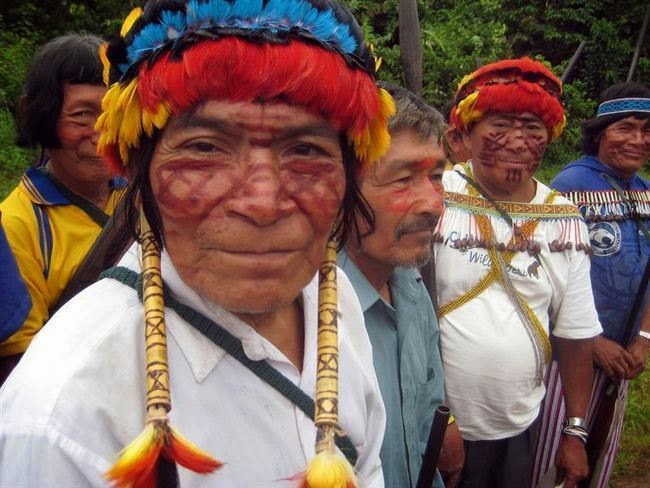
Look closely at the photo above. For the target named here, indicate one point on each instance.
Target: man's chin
(411, 261)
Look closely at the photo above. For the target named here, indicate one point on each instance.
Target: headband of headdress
(174, 54)
(510, 86)
(624, 105)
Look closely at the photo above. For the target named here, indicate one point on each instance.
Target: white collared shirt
(78, 396)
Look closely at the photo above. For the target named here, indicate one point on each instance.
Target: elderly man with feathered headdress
(241, 125)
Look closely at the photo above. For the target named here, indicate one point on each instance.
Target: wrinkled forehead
(514, 116)
(269, 116)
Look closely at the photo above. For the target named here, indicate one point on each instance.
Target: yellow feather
(373, 141)
(130, 20)
(558, 129)
(135, 457)
(105, 63)
(329, 470)
(466, 109)
(157, 119)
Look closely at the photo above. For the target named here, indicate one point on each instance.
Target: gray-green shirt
(406, 356)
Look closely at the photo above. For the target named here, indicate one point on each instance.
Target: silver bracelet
(576, 422)
(645, 334)
(575, 431)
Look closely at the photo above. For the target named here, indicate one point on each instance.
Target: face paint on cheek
(536, 145)
(514, 175)
(317, 191)
(490, 144)
(190, 190)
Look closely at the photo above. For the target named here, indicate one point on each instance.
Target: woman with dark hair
(615, 203)
(56, 212)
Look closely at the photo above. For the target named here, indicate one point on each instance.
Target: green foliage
(15, 53)
(13, 160)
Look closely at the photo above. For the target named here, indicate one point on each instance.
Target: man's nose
(262, 197)
(516, 139)
(428, 197)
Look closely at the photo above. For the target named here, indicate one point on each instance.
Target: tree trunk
(410, 45)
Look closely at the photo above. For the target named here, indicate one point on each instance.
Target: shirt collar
(406, 280)
(596, 164)
(201, 353)
(43, 191)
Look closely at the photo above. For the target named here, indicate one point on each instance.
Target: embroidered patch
(605, 238)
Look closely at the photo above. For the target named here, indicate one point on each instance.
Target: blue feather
(174, 22)
(246, 9)
(276, 16)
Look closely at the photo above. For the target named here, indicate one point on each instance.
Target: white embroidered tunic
(491, 375)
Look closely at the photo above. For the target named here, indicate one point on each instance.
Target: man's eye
(307, 150)
(436, 177)
(204, 147)
(404, 179)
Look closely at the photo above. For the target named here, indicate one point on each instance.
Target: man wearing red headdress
(242, 125)
(511, 258)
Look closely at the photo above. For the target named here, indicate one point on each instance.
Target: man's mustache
(422, 222)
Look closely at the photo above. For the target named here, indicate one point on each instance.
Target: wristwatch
(645, 334)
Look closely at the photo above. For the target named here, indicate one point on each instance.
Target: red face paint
(248, 196)
(506, 151)
(405, 192)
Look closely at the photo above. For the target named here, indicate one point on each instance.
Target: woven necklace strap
(233, 346)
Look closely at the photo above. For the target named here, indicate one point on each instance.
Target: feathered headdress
(174, 54)
(511, 85)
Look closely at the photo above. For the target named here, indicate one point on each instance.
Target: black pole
(639, 43)
(434, 444)
(574, 60)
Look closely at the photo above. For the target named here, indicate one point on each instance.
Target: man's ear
(466, 140)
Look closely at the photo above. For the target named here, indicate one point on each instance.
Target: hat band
(623, 105)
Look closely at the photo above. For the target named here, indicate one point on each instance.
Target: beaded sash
(521, 237)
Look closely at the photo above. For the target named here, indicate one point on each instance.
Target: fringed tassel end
(328, 470)
(136, 466)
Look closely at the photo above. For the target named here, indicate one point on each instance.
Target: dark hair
(413, 113)
(593, 128)
(353, 206)
(73, 58)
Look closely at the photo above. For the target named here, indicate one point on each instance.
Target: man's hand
(452, 456)
(615, 361)
(638, 351)
(571, 462)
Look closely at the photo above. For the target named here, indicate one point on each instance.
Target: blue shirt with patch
(406, 355)
(621, 250)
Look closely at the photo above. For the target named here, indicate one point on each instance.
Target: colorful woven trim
(165, 32)
(623, 105)
(524, 211)
(609, 206)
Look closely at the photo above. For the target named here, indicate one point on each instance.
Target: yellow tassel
(130, 20)
(329, 470)
(137, 461)
(188, 455)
